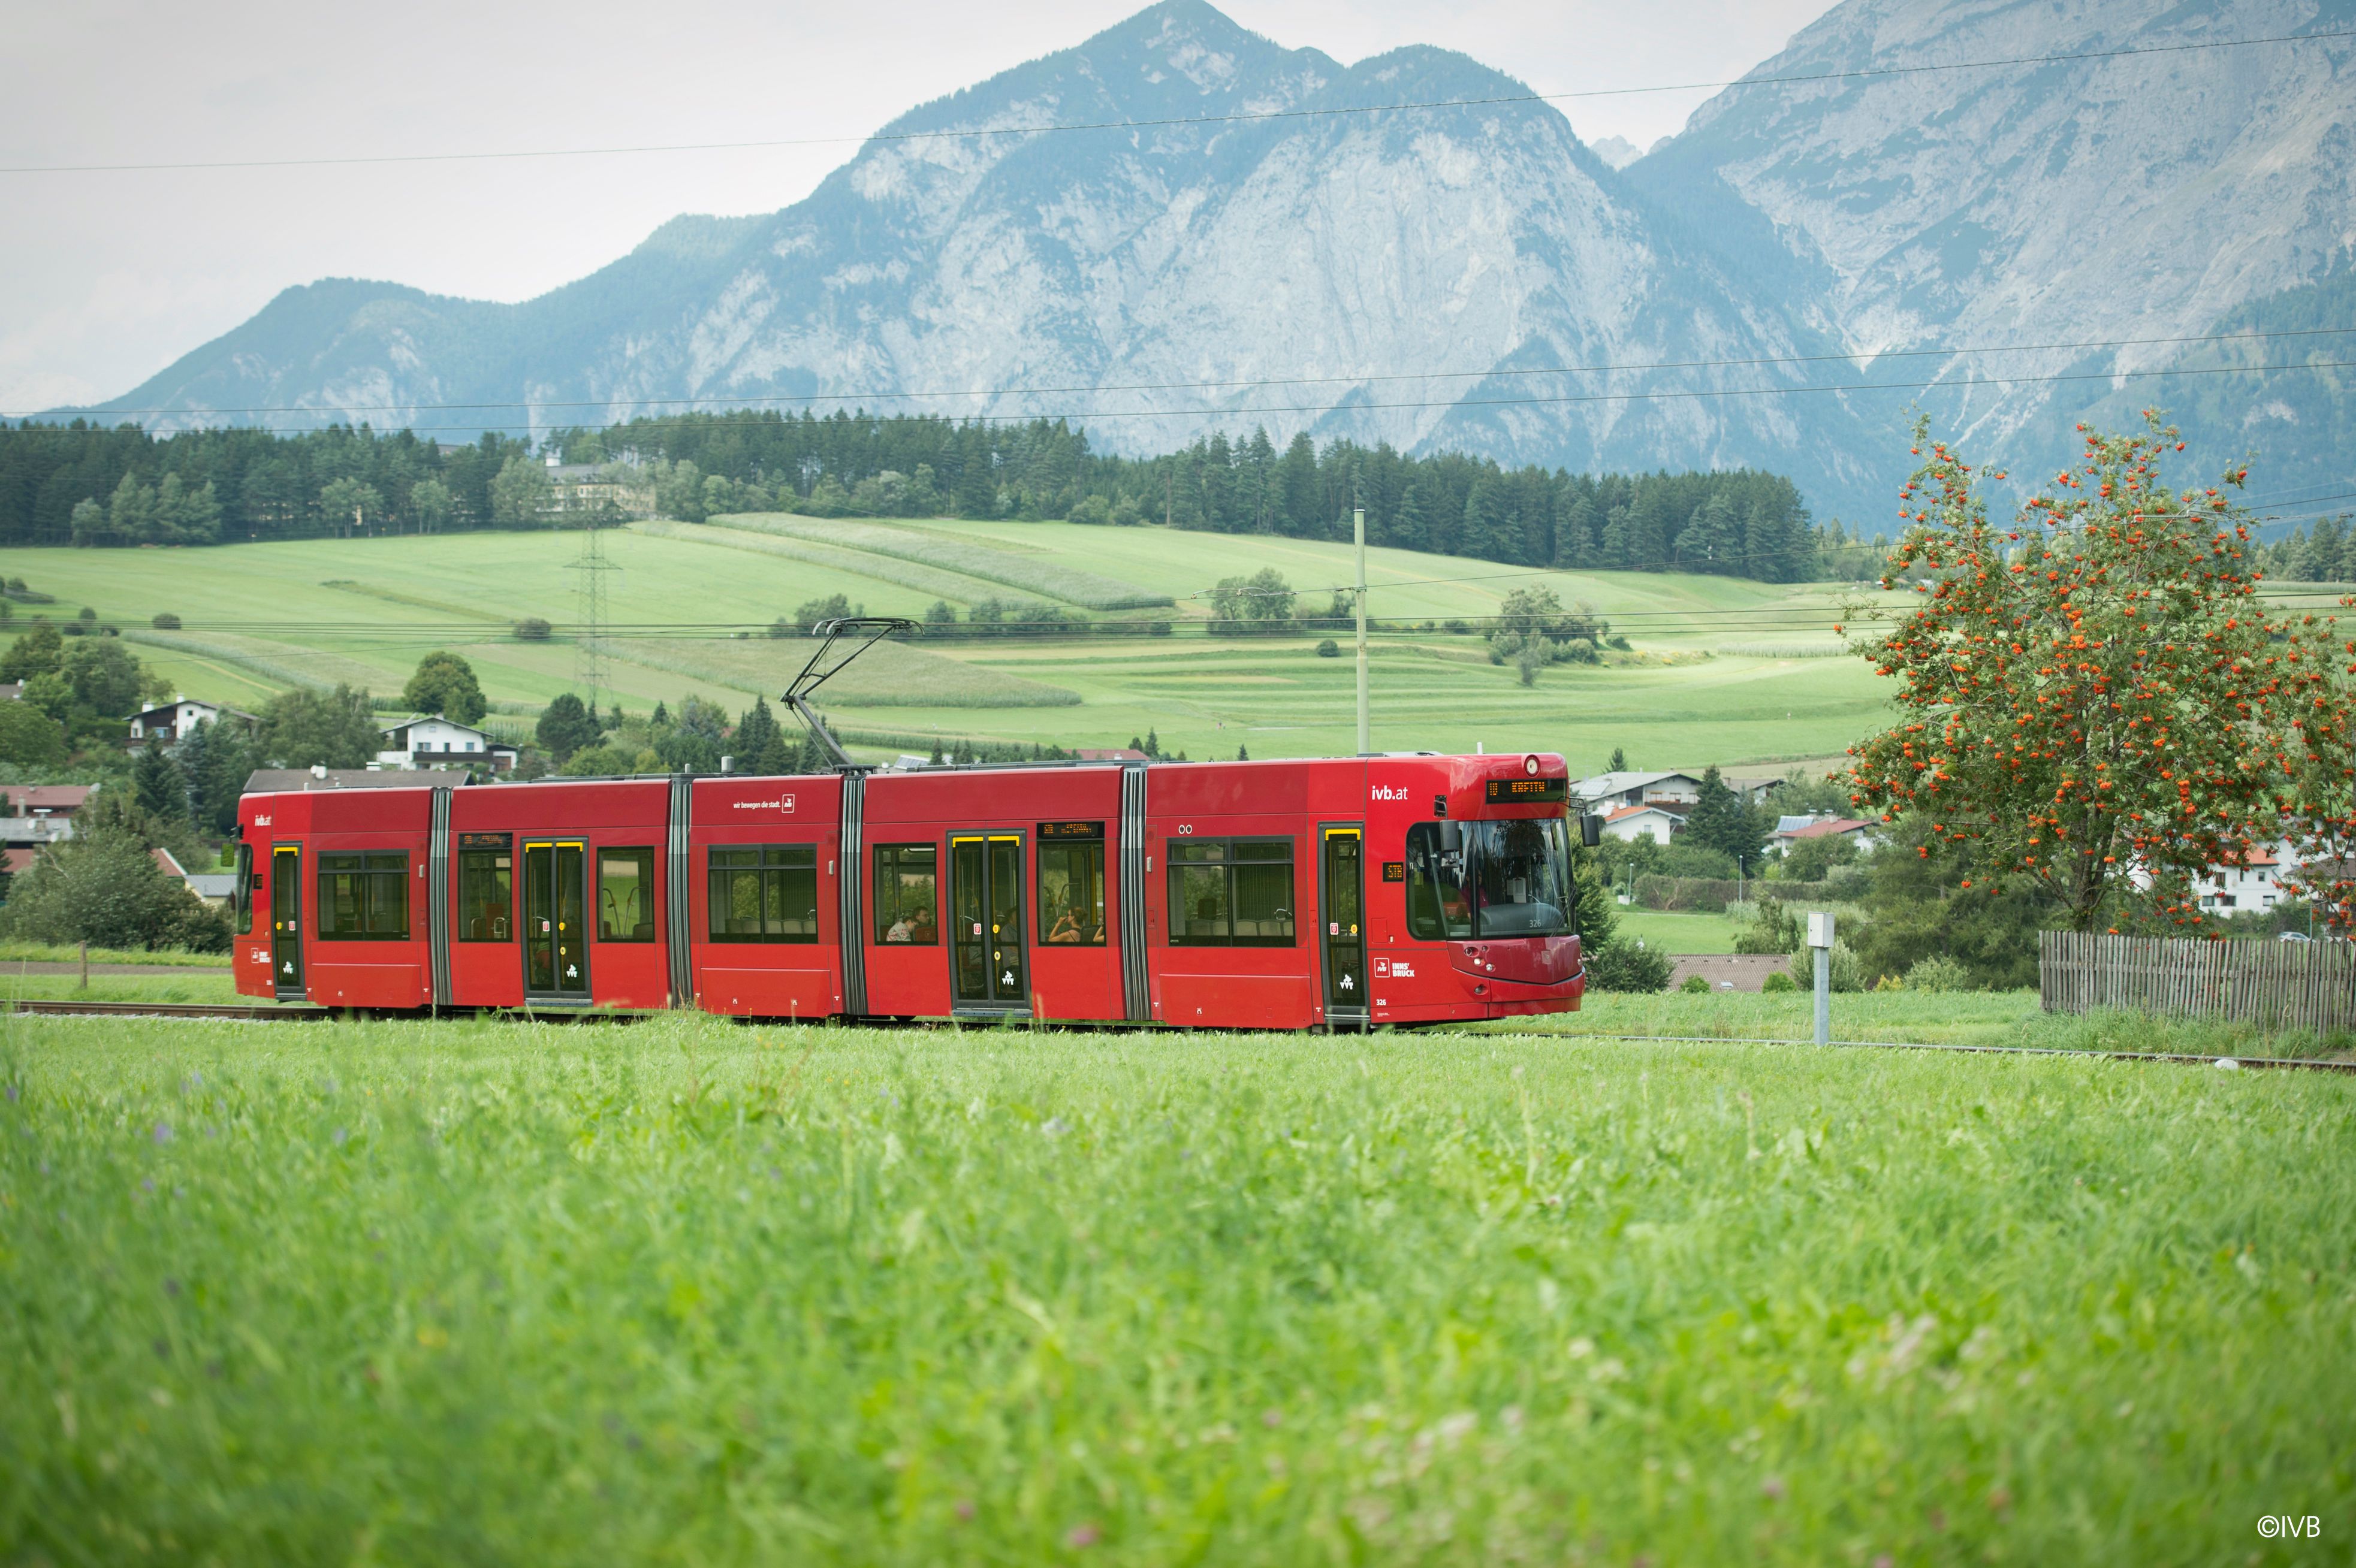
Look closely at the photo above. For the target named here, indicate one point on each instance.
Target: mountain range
(2017, 213)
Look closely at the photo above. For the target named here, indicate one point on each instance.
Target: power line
(1248, 117)
(1251, 382)
(1083, 417)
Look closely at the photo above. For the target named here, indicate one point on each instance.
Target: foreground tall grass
(686, 1292)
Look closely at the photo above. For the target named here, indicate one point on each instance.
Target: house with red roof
(2263, 879)
(1865, 832)
(1659, 821)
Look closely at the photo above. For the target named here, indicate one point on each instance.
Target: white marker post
(1820, 939)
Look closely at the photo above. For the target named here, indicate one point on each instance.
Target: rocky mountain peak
(1471, 276)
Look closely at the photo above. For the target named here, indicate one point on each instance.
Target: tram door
(986, 949)
(286, 918)
(1345, 928)
(556, 941)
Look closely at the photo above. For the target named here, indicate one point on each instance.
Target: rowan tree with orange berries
(2095, 699)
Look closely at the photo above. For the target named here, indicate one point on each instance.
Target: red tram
(1342, 893)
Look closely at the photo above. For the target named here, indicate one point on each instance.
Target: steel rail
(264, 1011)
(312, 1014)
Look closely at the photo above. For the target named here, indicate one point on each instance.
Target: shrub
(604, 761)
(1773, 929)
(445, 684)
(1329, 649)
(1779, 980)
(1455, 628)
(1938, 973)
(1845, 970)
(1681, 856)
(1695, 986)
(1629, 966)
(1813, 859)
(31, 738)
(532, 629)
(336, 729)
(1707, 893)
(834, 607)
(164, 621)
(105, 888)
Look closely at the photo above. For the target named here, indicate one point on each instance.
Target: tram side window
(626, 895)
(363, 898)
(485, 895)
(907, 893)
(249, 887)
(1072, 894)
(764, 892)
(1231, 893)
(1437, 909)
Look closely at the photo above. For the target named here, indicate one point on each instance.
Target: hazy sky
(106, 277)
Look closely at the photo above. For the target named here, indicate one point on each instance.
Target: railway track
(261, 1014)
(170, 1010)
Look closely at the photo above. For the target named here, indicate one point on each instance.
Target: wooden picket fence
(2308, 985)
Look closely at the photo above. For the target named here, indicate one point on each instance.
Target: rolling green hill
(1720, 670)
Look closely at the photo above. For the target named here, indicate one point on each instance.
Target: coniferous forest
(99, 487)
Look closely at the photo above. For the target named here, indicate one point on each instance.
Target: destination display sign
(1071, 830)
(1528, 792)
(486, 840)
(1394, 870)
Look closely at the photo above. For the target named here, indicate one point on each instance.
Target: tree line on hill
(86, 484)
(1740, 523)
(2324, 553)
(92, 485)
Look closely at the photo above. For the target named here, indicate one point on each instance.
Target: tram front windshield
(1490, 879)
(1521, 874)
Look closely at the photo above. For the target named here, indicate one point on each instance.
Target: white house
(2264, 882)
(430, 741)
(1609, 792)
(172, 722)
(1658, 822)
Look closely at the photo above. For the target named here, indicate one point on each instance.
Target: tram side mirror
(1590, 830)
(1451, 838)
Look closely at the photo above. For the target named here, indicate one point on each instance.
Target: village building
(1607, 793)
(2266, 877)
(1659, 822)
(580, 486)
(277, 781)
(40, 814)
(174, 721)
(1865, 833)
(430, 741)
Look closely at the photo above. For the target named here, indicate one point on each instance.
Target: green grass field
(259, 617)
(689, 1292)
(1933, 1018)
(14, 951)
(1676, 933)
(194, 986)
